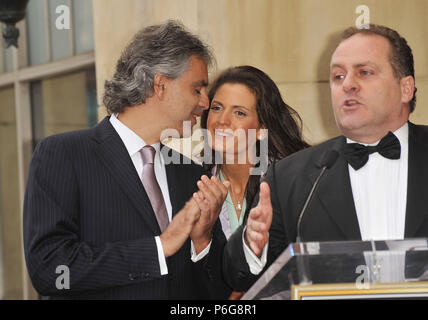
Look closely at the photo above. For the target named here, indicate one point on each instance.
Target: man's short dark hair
(401, 57)
(163, 49)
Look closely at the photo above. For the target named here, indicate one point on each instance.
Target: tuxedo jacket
(86, 209)
(331, 214)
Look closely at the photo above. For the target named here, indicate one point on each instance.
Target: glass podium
(391, 269)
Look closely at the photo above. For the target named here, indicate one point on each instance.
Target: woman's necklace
(238, 206)
(239, 203)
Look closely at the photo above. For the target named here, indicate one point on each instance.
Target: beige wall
(291, 40)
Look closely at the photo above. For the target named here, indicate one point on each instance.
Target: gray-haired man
(104, 202)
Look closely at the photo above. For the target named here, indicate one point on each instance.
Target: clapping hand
(210, 197)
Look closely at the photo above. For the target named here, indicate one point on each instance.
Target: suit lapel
(335, 194)
(417, 187)
(171, 176)
(113, 154)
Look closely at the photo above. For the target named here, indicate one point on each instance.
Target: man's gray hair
(163, 49)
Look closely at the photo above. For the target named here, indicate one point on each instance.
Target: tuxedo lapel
(417, 186)
(113, 154)
(335, 193)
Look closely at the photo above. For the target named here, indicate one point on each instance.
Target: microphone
(328, 161)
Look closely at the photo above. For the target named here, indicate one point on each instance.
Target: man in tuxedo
(373, 192)
(107, 204)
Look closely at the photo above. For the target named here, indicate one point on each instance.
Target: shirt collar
(131, 140)
(402, 134)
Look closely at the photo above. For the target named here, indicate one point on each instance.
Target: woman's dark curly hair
(283, 123)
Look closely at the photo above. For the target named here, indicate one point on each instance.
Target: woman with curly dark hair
(245, 100)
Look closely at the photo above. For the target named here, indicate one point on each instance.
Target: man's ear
(159, 85)
(407, 85)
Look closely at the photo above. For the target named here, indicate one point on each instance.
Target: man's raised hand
(259, 221)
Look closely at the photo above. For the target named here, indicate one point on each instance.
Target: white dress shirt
(379, 189)
(133, 144)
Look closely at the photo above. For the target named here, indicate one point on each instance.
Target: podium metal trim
(402, 290)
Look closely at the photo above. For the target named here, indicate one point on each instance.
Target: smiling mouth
(222, 133)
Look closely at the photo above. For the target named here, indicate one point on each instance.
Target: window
(63, 103)
(47, 86)
(47, 42)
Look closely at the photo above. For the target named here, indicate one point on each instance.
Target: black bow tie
(357, 155)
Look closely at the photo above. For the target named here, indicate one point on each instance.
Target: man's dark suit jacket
(331, 214)
(86, 208)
